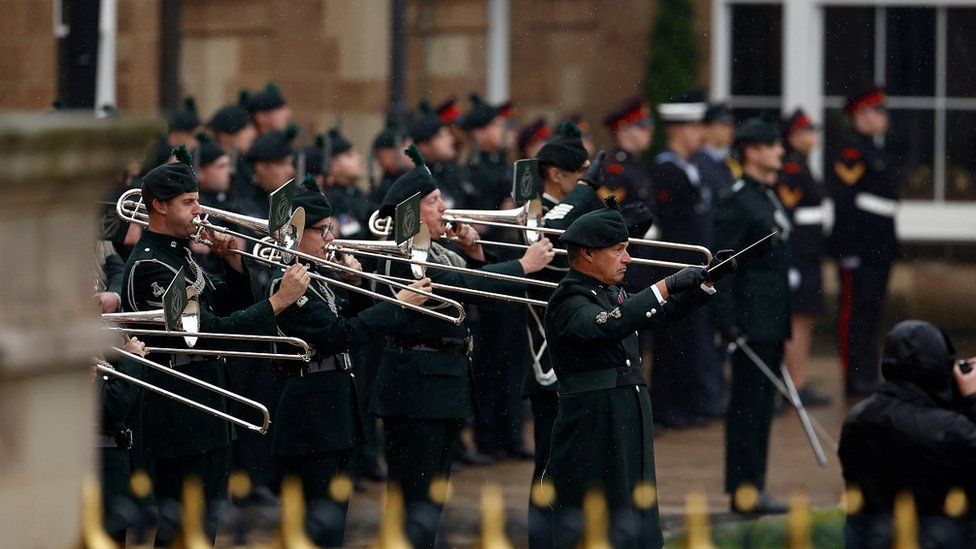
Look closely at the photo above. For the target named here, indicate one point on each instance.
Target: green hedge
(827, 531)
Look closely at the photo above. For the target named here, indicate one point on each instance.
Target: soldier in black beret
(388, 147)
(603, 435)
(272, 161)
(682, 205)
(181, 129)
(183, 441)
(318, 423)
(423, 391)
(268, 109)
(801, 195)
(435, 141)
(755, 305)
(232, 127)
(865, 190)
(346, 169)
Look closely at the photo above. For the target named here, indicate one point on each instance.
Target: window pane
(961, 55)
(960, 157)
(756, 50)
(910, 61)
(910, 143)
(848, 49)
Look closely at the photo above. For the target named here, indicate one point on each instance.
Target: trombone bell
(189, 319)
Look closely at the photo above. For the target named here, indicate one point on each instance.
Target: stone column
(53, 168)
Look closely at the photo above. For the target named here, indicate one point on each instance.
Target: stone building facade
(332, 56)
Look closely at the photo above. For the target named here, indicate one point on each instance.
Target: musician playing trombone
(603, 433)
(423, 390)
(318, 422)
(185, 442)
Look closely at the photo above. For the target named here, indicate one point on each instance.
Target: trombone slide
(107, 368)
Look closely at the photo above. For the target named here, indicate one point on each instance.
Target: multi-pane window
(925, 57)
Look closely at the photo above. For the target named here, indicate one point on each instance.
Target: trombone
(133, 210)
(108, 369)
(526, 218)
(391, 251)
(190, 333)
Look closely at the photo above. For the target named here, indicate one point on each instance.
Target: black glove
(686, 279)
(729, 332)
(593, 176)
(714, 275)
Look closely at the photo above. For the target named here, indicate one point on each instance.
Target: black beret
(231, 118)
(272, 145)
(417, 180)
(309, 197)
(207, 151)
(425, 125)
(314, 155)
(170, 180)
(719, 113)
(756, 131)
(480, 115)
(265, 100)
(338, 144)
(388, 138)
(577, 118)
(598, 229)
(564, 149)
(184, 119)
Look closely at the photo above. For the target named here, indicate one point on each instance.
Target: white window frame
(927, 221)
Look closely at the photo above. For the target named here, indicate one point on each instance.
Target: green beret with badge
(600, 228)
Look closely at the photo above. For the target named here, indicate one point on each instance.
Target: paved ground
(686, 460)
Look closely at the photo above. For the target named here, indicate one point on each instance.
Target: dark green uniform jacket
(319, 411)
(603, 434)
(170, 428)
(416, 380)
(757, 297)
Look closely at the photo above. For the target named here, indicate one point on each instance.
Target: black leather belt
(184, 359)
(121, 439)
(446, 345)
(339, 362)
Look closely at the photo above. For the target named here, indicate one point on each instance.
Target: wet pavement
(687, 460)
